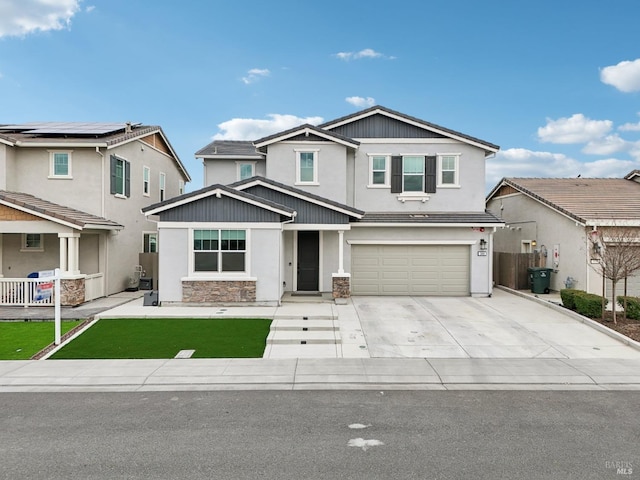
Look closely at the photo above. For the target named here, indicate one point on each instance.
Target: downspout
(102, 206)
(106, 236)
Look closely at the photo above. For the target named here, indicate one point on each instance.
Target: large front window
(219, 250)
(413, 174)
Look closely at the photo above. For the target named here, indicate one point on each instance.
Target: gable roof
(380, 110)
(24, 135)
(217, 190)
(296, 192)
(306, 129)
(589, 201)
(229, 149)
(56, 213)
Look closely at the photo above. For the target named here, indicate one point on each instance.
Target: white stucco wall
(469, 197)
(173, 244)
(332, 167)
(226, 171)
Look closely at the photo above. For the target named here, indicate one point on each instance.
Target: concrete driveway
(503, 326)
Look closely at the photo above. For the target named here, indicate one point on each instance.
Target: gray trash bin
(151, 299)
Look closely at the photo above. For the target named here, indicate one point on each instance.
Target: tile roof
(39, 207)
(583, 199)
(472, 218)
(236, 148)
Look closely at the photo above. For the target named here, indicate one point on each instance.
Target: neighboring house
(374, 203)
(70, 198)
(558, 217)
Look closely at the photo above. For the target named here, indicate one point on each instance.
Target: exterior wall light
(483, 244)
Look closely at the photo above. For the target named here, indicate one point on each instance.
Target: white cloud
(252, 129)
(625, 76)
(575, 129)
(630, 127)
(90, 8)
(365, 53)
(520, 162)
(21, 17)
(255, 74)
(361, 101)
(606, 146)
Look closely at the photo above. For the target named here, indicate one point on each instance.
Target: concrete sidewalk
(319, 374)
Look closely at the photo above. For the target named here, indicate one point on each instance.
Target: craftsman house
(70, 198)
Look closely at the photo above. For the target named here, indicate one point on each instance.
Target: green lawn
(164, 338)
(22, 340)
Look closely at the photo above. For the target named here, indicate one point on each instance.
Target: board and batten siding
(224, 209)
(379, 126)
(306, 212)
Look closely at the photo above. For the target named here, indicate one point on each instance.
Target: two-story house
(70, 198)
(374, 203)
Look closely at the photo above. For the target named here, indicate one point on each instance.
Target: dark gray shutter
(113, 174)
(396, 174)
(430, 174)
(127, 179)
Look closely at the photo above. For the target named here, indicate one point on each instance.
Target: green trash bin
(539, 279)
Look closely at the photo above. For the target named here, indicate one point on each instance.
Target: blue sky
(555, 83)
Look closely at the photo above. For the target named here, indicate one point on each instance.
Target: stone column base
(341, 285)
(72, 291)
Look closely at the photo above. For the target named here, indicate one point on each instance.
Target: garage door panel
(410, 269)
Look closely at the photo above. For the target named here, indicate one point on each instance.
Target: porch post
(63, 253)
(74, 254)
(340, 252)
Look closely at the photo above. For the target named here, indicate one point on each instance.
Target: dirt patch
(630, 328)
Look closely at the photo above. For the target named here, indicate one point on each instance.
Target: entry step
(302, 337)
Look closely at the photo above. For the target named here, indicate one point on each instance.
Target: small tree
(617, 250)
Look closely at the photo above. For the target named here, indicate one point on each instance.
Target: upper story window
(32, 242)
(413, 174)
(307, 167)
(60, 164)
(162, 182)
(120, 177)
(448, 170)
(146, 181)
(378, 170)
(217, 251)
(150, 242)
(180, 187)
(246, 170)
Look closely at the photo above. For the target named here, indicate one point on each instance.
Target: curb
(576, 316)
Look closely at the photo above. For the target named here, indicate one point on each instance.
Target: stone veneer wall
(341, 286)
(72, 291)
(205, 291)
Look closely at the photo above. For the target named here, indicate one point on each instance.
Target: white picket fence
(21, 292)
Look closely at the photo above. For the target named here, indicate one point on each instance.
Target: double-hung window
(448, 174)
(219, 250)
(60, 164)
(246, 170)
(413, 174)
(378, 171)
(150, 242)
(307, 167)
(32, 242)
(162, 182)
(146, 181)
(120, 177)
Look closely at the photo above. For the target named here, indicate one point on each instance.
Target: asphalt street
(320, 434)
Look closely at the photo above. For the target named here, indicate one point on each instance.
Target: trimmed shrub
(633, 306)
(589, 304)
(567, 295)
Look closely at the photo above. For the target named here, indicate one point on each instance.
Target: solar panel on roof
(70, 128)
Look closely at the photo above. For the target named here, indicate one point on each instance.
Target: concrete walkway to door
(502, 326)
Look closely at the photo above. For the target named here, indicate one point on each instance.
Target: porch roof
(55, 212)
(485, 219)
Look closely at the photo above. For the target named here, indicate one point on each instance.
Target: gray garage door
(410, 270)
